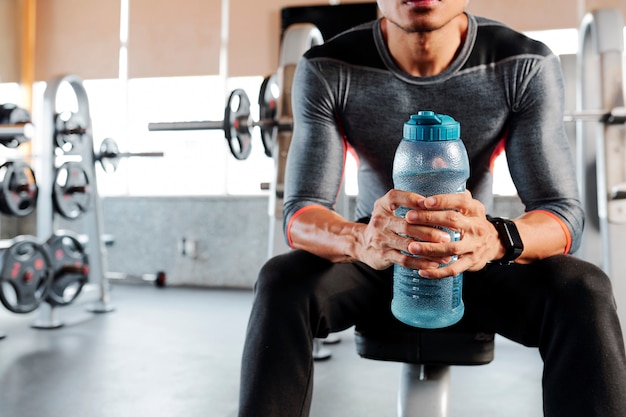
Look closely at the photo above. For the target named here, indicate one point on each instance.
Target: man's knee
(576, 284)
(290, 275)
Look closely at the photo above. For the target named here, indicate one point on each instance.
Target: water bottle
(431, 159)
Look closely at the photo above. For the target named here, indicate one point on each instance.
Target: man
(356, 91)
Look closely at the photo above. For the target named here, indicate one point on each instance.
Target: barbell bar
(615, 116)
(219, 125)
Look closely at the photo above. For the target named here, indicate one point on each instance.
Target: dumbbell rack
(97, 288)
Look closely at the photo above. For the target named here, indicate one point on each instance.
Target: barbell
(238, 124)
(110, 155)
(69, 129)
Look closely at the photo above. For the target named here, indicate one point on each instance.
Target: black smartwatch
(510, 238)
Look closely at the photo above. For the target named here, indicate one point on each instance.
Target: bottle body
(429, 167)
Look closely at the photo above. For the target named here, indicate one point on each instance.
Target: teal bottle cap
(429, 126)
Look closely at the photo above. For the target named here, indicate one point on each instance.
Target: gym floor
(176, 352)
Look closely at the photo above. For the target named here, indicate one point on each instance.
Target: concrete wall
(226, 238)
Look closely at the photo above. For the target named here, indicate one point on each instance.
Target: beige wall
(180, 38)
(77, 36)
(162, 32)
(529, 14)
(254, 35)
(10, 37)
(541, 14)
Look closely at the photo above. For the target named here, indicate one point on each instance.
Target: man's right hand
(385, 240)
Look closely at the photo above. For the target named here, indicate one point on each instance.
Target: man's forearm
(324, 233)
(543, 236)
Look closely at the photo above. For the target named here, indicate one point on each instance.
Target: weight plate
(268, 110)
(70, 268)
(24, 274)
(71, 192)
(69, 130)
(10, 114)
(236, 124)
(109, 155)
(18, 189)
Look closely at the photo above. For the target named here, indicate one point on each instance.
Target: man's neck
(423, 54)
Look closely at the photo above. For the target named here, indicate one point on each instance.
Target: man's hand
(389, 239)
(479, 242)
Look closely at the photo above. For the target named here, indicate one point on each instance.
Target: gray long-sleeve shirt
(502, 86)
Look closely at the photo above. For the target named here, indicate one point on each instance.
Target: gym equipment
(15, 125)
(159, 279)
(71, 193)
(18, 189)
(110, 155)
(268, 108)
(297, 39)
(237, 124)
(601, 146)
(67, 138)
(69, 127)
(613, 117)
(24, 274)
(67, 155)
(70, 267)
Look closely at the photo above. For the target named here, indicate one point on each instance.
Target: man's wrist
(510, 239)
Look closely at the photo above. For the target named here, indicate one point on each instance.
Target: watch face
(507, 230)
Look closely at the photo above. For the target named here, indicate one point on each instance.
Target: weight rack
(52, 157)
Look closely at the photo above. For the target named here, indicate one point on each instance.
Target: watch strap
(510, 238)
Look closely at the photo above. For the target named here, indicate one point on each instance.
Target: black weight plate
(69, 130)
(236, 124)
(268, 110)
(18, 189)
(24, 275)
(71, 190)
(10, 114)
(70, 268)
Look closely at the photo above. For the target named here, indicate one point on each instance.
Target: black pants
(561, 305)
